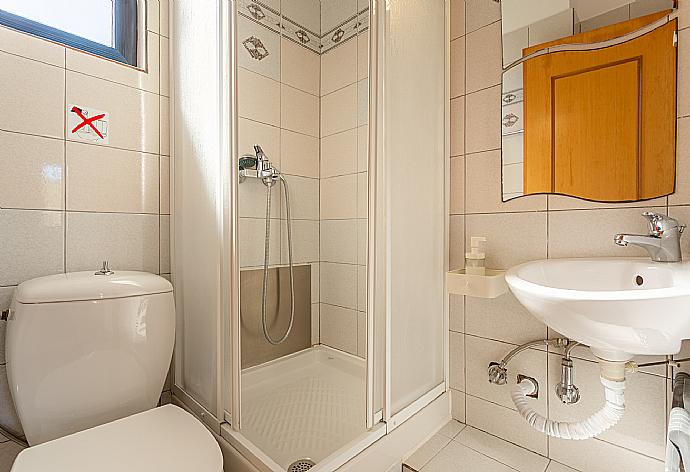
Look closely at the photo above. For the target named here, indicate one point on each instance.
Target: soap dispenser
(476, 258)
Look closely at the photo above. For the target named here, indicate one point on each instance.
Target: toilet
(87, 355)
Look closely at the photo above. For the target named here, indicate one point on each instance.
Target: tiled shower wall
(534, 228)
(65, 205)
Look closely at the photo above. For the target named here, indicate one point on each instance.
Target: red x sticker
(89, 125)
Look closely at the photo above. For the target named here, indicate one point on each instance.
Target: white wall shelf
(490, 285)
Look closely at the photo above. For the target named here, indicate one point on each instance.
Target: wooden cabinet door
(600, 124)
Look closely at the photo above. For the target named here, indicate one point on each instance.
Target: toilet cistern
(663, 241)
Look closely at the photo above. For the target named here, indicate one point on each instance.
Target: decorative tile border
(264, 15)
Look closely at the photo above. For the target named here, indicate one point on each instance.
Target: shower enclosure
(309, 246)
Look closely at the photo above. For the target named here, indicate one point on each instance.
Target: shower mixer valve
(263, 168)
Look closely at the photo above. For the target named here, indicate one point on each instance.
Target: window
(106, 28)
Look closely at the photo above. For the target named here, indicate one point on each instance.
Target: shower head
(247, 162)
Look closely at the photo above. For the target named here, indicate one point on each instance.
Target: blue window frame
(116, 37)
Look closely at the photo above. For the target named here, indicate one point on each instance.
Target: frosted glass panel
(414, 173)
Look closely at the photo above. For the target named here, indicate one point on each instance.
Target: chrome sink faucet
(663, 241)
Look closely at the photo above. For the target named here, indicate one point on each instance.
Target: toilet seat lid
(165, 438)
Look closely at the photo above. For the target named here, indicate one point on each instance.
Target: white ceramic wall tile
(306, 13)
(457, 126)
(304, 198)
(300, 67)
(315, 283)
(165, 185)
(338, 328)
(299, 111)
(555, 27)
(153, 15)
(31, 47)
(483, 115)
(361, 334)
(339, 197)
(338, 284)
(339, 67)
(164, 17)
(456, 308)
(165, 66)
(599, 456)
(134, 114)
(299, 154)
(250, 133)
(455, 453)
(484, 57)
(479, 13)
(362, 102)
(339, 110)
(147, 79)
(37, 98)
(362, 288)
(259, 97)
(363, 56)
(339, 241)
(457, 18)
(164, 245)
(457, 67)
(457, 407)
(252, 199)
(683, 89)
(682, 214)
(503, 319)
(504, 423)
(682, 193)
(427, 451)
(502, 451)
(362, 148)
(127, 242)
(34, 172)
(252, 237)
(513, 44)
(258, 48)
(457, 361)
(335, 12)
(165, 126)
(305, 241)
(102, 179)
(362, 195)
(315, 324)
(32, 245)
(457, 185)
(339, 154)
(480, 352)
(362, 241)
(456, 251)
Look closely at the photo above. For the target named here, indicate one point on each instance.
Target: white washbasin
(619, 307)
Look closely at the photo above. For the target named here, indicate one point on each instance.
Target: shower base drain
(301, 465)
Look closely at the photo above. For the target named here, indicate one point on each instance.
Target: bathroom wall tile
(339, 154)
(480, 352)
(457, 405)
(362, 240)
(504, 248)
(339, 197)
(134, 114)
(457, 18)
(127, 242)
(300, 67)
(315, 282)
(165, 67)
(6, 294)
(457, 186)
(484, 193)
(589, 233)
(304, 198)
(455, 453)
(362, 334)
(599, 456)
(339, 241)
(503, 451)
(484, 57)
(38, 93)
(457, 361)
(427, 451)
(153, 16)
(259, 49)
(164, 18)
(682, 214)
(556, 467)
(36, 167)
(362, 148)
(682, 190)
(334, 12)
(642, 429)
(362, 102)
(504, 423)
(481, 13)
(456, 308)
(251, 133)
(456, 242)
(164, 245)
(560, 202)
(147, 79)
(165, 185)
(32, 245)
(252, 199)
(252, 237)
(305, 241)
(299, 111)
(339, 328)
(112, 180)
(683, 89)
(339, 110)
(259, 97)
(483, 116)
(457, 126)
(617, 15)
(362, 195)
(307, 13)
(315, 324)
(299, 154)
(503, 319)
(31, 47)
(339, 67)
(165, 126)
(683, 15)
(362, 288)
(363, 56)
(457, 67)
(339, 284)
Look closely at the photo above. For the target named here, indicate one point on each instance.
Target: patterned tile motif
(255, 48)
(346, 30)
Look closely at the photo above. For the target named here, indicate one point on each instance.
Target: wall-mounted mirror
(588, 105)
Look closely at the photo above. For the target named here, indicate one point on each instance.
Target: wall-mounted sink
(619, 307)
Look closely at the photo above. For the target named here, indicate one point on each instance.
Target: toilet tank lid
(80, 286)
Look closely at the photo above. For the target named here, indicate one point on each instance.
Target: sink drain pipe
(612, 376)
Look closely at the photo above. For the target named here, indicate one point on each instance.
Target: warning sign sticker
(88, 125)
